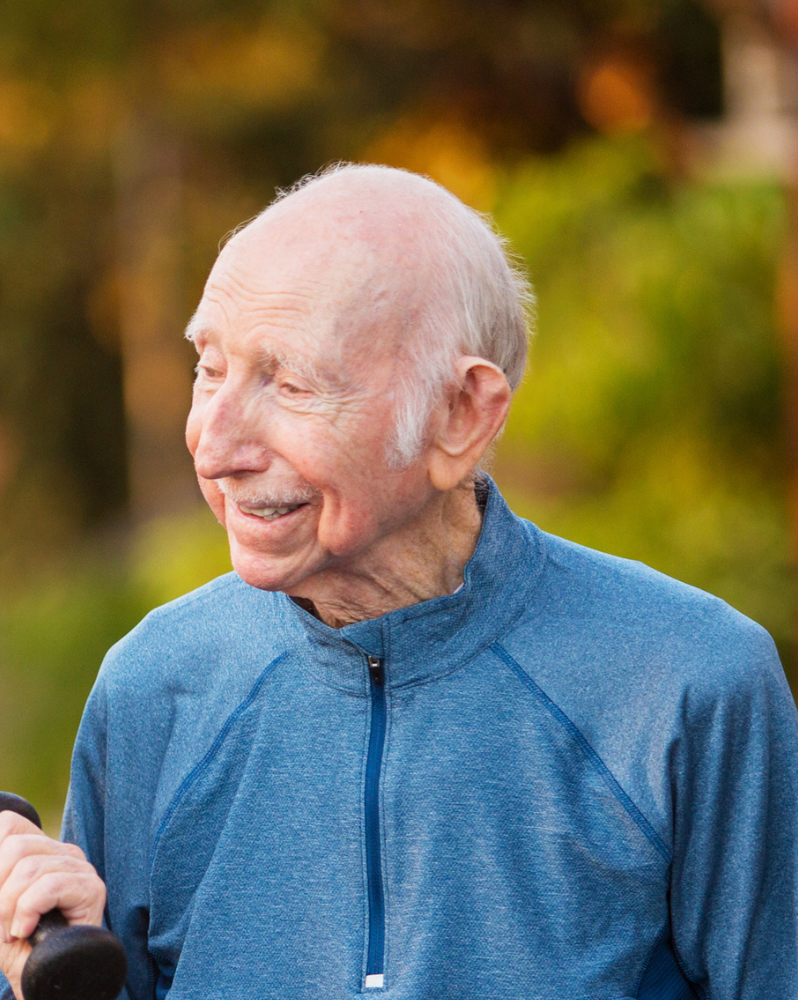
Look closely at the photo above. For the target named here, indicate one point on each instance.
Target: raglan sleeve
(90, 823)
(734, 880)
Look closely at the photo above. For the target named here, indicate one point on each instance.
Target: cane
(80, 962)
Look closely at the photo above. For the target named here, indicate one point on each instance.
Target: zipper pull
(376, 671)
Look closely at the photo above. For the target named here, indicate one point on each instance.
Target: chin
(256, 574)
(264, 573)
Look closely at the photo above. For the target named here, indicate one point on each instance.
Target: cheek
(359, 513)
(345, 470)
(347, 525)
(349, 450)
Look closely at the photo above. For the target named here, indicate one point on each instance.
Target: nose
(224, 436)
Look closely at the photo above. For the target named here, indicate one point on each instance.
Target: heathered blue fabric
(583, 759)
(662, 977)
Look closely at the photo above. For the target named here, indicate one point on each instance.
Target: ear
(474, 413)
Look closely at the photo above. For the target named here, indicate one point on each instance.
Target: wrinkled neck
(423, 562)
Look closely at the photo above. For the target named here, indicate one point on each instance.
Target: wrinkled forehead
(331, 281)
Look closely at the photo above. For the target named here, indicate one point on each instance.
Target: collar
(432, 638)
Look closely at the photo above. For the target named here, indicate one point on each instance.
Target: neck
(423, 561)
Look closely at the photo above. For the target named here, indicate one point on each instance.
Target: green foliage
(54, 632)
(649, 424)
(173, 555)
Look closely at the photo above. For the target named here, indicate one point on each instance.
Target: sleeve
(87, 824)
(734, 880)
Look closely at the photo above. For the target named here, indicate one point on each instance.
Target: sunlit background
(640, 155)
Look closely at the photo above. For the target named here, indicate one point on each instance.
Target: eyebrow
(298, 363)
(269, 360)
(196, 328)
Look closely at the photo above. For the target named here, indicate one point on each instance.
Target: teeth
(268, 513)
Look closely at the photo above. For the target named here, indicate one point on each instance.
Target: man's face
(293, 406)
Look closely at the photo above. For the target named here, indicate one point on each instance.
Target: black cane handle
(49, 923)
(68, 962)
(15, 803)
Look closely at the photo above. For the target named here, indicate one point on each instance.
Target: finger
(26, 872)
(19, 845)
(11, 822)
(80, 896)
(31, 867)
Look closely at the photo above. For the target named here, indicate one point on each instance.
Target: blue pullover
(574, 779)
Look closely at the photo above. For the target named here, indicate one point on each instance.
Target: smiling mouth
(270, 513)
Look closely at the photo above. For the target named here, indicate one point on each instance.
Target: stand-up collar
(434, 637)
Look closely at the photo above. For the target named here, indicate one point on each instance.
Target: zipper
(376, 899)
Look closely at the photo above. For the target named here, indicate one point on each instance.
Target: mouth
(270, 513)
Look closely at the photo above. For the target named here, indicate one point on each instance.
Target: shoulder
(165, 691)
(218, 635)
(628, 613)
(642, 664)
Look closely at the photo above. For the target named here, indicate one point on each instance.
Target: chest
(449, 840)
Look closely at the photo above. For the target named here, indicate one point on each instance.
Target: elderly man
(414, 745)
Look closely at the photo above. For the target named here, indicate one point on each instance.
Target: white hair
(483, 305)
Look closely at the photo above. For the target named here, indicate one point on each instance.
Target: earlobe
(475, 412)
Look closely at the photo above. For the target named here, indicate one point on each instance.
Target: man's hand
(38, 874)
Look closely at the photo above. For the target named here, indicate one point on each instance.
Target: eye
(286, 387)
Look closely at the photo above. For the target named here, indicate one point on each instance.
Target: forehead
(248, 293)
(304, 284)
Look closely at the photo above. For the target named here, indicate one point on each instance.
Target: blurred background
(641, 156)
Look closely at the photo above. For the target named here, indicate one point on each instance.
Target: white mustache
(247, 496)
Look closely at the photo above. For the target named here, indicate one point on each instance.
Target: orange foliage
(25, 118)
(268, 67)
(444, 150)
(616, 95)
